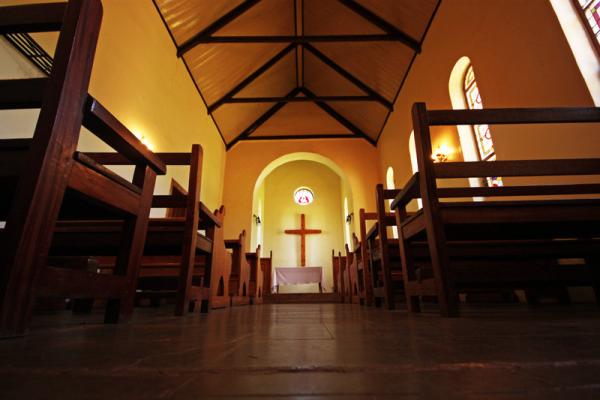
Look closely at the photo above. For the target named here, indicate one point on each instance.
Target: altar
(296, 276)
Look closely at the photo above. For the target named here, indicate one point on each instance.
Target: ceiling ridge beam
(339, 117)
(243, 100)
(357, 82)
(301, 39)
(250, 78)
(215, 26)
(382, 24)
(262, 119)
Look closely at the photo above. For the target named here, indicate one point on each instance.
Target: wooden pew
(383, 253)
(343, 281)
(239, 279)
(177, 260)
(266, 264)
(221, 269)
(335, 264)
(45, 178)
(350, 276)
(514, 240)
(255, 290)
(363, 271)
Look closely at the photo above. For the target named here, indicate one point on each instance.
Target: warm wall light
(257, 220)
(147, 143)
(349, 218)
(441, 154)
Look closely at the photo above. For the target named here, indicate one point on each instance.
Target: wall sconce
(146, 143)
(257, 220)
(349, 218)
(441, 154)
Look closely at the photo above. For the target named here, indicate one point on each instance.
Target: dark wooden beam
(301, 137)
(262, 119)
(500, 116)
(298, 99)
(215, 26)
(357, 82)
(250, 78)
(299, 39)
(32, 18)
(382, 24)
(339, 118)
(22, 93)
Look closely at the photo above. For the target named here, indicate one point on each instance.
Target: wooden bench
(350, 276)
(363, 264)
(383, 254)
(513, 239)
(177, 260)
(335, 265)
(343, 281)
(266, 264)
(255, 286)
(45, 178)
(239, 279)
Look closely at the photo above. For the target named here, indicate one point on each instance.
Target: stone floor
(311, 351)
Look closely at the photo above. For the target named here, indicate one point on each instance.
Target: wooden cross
(302, 232)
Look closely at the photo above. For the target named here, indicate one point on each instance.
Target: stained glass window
(483, 136)
(589, 10)
(303, 196)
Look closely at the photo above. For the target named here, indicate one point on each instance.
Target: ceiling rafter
(342, 71)
(215, 26)
(383, 24)
(250, 78)
(339, 117)
(262, 119)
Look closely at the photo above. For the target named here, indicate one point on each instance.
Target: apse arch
(291, 157)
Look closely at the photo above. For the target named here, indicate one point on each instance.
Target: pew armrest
(108, 128)
(409, 192)
(209, 217)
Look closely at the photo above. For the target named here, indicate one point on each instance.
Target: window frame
(588, 29)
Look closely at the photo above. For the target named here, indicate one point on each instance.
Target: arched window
(482, 134)
(589, 11)
(390, 184)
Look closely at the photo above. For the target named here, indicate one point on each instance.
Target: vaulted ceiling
(293, 69)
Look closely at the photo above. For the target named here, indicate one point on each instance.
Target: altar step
(299, 298)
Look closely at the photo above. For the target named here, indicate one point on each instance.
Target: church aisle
(311, 351)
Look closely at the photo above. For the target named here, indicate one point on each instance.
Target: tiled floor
(308, 352)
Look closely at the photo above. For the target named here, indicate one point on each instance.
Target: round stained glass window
(303, 196)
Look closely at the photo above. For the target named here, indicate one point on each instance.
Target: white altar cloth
(297, 275)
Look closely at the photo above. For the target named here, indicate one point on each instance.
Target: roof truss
(301, 42)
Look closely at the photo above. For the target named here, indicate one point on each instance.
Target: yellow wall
(139, 78)
(521, 59)
(356, 158)
(281, 212)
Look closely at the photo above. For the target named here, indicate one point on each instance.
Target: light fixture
(441, 154)
(349, 218)
(257, 220)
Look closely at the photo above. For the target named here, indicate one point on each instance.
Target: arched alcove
(331, 210)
